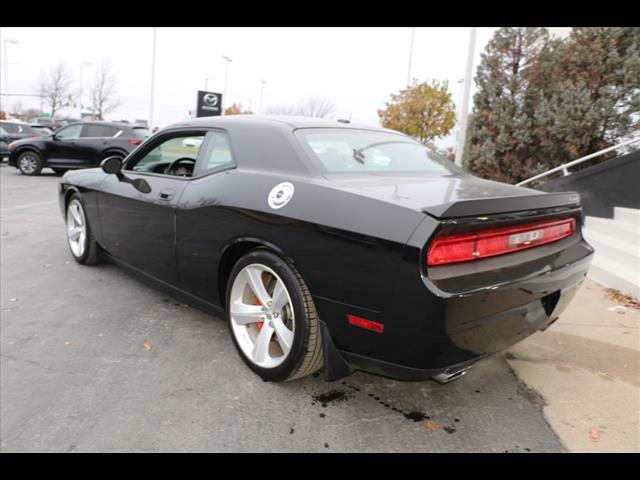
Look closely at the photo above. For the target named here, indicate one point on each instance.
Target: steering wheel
(187, 165)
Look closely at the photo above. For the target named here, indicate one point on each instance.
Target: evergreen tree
(543, 102)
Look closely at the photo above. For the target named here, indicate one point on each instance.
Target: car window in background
(98, 131)
(351, 150)
(72, 131)
(141, 132)
(170, 151)
(13, 127)
(217, 153)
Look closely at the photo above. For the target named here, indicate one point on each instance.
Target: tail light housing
(452, 247)
(135, 142)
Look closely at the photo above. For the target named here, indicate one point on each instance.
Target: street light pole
(6, 73)
(82, 64)
(465, 99)
(413, 34)
(262, 93)
(226, 71)
(153, 77)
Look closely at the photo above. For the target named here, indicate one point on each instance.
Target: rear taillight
(135, 142)
(455, 248)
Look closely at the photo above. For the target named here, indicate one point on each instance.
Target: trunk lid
(449, 196)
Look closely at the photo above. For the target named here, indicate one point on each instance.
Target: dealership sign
(209, 104)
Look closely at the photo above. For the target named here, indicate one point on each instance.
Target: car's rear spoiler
(493, 205)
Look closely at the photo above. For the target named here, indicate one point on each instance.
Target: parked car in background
(4, 145)
(41, 129)
(78, 145)
(12, 130)
(52, 123)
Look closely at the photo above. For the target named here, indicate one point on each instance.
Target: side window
(72, 131)
(98, 131)
(184, 148)
(11, 127)
(216, 153)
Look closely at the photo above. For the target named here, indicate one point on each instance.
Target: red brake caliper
(259, 323)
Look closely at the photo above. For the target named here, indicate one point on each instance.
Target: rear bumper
(457, 324)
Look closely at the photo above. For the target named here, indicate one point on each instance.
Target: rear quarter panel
(346, 247)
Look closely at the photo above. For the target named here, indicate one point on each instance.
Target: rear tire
(277, 330)
(82, 243)
(29, 163)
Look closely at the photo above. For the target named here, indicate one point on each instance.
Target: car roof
(290, 121)
(104, 122)
(20, 122)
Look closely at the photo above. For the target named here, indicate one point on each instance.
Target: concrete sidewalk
(587, 368)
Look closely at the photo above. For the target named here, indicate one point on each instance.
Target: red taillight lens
(135, 142)
(454, 248)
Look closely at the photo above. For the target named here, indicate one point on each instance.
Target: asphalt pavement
(94, 360)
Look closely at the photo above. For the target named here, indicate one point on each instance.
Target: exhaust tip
(450, 376)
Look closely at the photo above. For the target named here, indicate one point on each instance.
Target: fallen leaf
(431, 426)
(184, 305)
(148, 346)
(595, 434)
(13, 299)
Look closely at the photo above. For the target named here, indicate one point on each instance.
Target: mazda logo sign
(210, 99)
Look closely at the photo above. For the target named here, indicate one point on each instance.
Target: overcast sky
(358, 68)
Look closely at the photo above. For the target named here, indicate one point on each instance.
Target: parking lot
(93, 360)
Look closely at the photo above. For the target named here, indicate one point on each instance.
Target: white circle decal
(280, 195)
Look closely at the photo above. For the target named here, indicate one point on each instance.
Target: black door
(139, 228)
(62, 148)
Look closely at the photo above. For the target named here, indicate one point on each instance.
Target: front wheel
(29, 163)
(79, 235)
(272, 318)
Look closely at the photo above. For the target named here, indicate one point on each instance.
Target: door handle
(167, 194)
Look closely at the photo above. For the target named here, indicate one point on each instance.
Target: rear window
(141, 132)
(342, 150)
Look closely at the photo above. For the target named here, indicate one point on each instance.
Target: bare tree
(55, 87)
(281, 110)
(16, 109)
(103, 91)
(313, 106)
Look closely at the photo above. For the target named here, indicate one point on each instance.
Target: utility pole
(6, 74)
(465, 100)
(226, 72)
(82, 64)
(262, 93)
(153, 77)
(413, 34)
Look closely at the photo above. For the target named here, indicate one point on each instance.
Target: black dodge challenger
(326, 244)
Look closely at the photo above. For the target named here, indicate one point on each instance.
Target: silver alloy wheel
(262, 317)
(76, 228)
(28, 163)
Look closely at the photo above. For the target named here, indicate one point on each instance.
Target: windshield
(343, 150)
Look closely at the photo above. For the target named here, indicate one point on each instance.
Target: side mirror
(111, 165)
